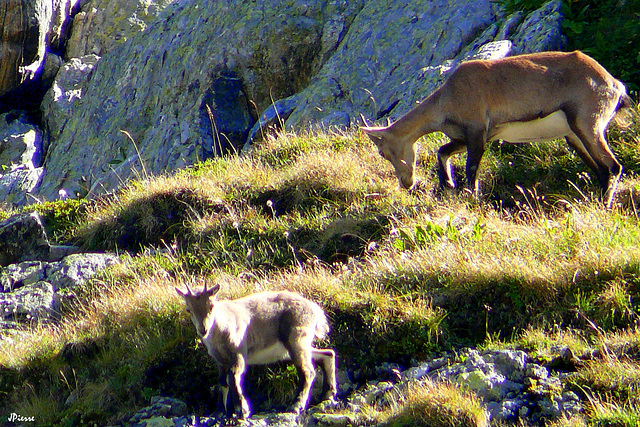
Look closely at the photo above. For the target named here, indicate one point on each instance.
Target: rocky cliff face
(151, 86)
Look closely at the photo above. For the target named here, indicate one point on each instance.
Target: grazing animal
(534, 97)
(258, 329)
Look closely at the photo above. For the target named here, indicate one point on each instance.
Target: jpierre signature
(13, 418)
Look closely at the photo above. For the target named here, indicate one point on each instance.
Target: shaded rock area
(21, 156)
(511, 385)
(24, 238)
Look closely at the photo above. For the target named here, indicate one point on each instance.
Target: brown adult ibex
(258, 329)
(534, 97)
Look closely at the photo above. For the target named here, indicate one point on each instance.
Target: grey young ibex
(258, 329)
(534, 97)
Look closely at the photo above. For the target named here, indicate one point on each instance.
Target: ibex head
(199, 306)
(399, 149)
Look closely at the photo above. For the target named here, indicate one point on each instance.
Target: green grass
(537, 264)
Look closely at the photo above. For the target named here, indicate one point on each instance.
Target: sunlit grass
(537, 263)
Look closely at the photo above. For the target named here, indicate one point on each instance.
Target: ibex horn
(188, 289)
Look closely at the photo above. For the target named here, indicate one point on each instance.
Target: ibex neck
(424, 118)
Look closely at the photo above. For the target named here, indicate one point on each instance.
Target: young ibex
(258, 329)
(534, 97)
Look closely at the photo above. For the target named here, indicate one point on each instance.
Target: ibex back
(535, 97)
(261, 328)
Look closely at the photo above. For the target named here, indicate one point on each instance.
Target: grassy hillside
(538, 264)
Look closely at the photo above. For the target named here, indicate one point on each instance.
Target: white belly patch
(274, 353)
(553, 126)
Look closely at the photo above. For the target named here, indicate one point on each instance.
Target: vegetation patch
(402, 275)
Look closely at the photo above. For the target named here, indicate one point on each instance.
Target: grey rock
(508, 382)
(18, 185)
(541, 30)
(61, 100)
(158, 84)
(273, 118)
(32, 302)
(20, 142)
(75, 270)
(161, 407)
(24, 274)
(505, 410)
(369, 75)
(21, 152)
(102, 24)
(30, 290)
(24, 239)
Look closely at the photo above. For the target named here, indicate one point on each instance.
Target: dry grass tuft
(427, 404)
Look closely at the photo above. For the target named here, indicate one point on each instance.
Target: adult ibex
(258, 329)
(534, 97)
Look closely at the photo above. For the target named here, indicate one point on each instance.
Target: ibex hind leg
(326, 358)
(301, 358)
(606, 166)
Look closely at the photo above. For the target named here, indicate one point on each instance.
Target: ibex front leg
(476, 141)
(234, 400)
(445, 170)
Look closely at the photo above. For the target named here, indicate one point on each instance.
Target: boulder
(74, 270)
(32, 302)
(20, 142)
(17, 184)
(30, 290)
(20, 158)
(16, 276)
(24, 239)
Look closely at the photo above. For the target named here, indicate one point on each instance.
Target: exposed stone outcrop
(24, 239)
(61, 100)
(32, 31)
(102, 24)
(31, 290)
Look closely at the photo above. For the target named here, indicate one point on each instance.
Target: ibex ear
(211, 291)
(376, 133)
(184, 294)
